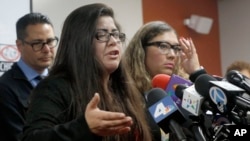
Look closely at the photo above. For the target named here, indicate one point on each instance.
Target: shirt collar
(29, 72)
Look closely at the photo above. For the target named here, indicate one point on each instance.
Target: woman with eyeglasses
(156, 49)
(89, 95)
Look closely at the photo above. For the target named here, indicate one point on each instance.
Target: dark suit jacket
(50, 116)
(14, 93)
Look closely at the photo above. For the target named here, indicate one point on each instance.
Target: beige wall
(234, 21)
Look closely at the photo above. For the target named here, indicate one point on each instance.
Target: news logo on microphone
(192, 101)
(162, 109)
(219, 95)
(174, 81)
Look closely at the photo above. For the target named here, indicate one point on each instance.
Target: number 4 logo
(159, 110)
(162, 110)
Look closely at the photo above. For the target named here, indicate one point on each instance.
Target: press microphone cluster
(182, 92)
(229, 99)
(196, 106)
(223, 98)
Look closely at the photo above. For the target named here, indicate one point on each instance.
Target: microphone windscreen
(234, 77)
(179, 90)
(154, 95)
(202, 84)
(160, 81)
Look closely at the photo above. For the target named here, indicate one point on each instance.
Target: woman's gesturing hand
(105, 123)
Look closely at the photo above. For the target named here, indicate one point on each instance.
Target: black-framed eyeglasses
(105, 36)
(38, 45)
(165, 47)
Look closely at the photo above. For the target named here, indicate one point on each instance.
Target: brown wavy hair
(135, 54)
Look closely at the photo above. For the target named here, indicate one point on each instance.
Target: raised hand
(189, 57)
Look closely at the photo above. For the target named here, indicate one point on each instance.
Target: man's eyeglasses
(105, 36)
(165, 47)
(38, 45)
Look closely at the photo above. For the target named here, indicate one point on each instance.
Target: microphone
(221, 94)
(192, 103)
(163, 80)
(160, 81)
(173, 85)
(238, 79)
(165, 112)
(191, 100)
(179, 90)
(203, 104)
(176, 80)
(169, 84)
(202, 86)
(226, 98)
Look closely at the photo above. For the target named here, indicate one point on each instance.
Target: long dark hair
(75, 61)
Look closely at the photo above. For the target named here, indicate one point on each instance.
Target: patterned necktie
(37, 79)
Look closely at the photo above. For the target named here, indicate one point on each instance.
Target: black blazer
(49, 117)
(14, 93)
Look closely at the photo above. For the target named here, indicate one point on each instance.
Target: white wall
(128, 12)
(9, 14)
(234, 22)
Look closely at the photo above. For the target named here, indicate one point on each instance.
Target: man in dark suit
(36, 43)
